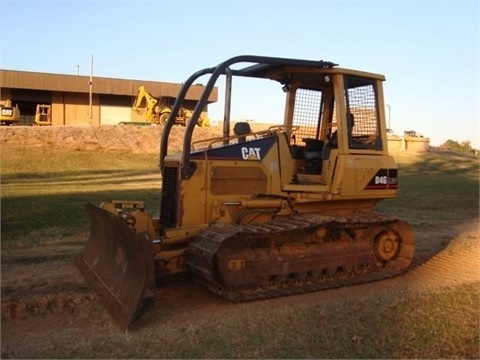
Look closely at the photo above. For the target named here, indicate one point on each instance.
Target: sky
(428, 50)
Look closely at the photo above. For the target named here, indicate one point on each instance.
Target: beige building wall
(410, 144)
(74, 109)
(68, 96)
(58, 109)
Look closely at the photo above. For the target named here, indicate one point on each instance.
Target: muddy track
(319, 267)
(58, 288)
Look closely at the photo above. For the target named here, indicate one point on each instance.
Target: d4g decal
(384, 179)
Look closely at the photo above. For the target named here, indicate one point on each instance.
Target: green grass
(395, 325)
(42, 188)
(370, 328)
(435, 187)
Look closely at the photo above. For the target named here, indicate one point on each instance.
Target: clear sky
(428, 50)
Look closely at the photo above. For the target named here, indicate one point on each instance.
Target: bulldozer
(284, 210)
(157, 110)
(9, 114)
(43, 115)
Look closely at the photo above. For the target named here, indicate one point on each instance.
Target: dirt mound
(116, 137)
(108, 137)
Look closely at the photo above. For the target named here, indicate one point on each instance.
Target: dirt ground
(139, 139)
(52, 295)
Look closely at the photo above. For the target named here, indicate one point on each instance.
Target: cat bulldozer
(157, 110)
(43, 115)
(284, 210)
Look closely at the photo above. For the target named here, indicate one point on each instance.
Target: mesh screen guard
(363, 124)
(306, 114)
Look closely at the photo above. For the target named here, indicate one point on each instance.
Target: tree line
(464, 147)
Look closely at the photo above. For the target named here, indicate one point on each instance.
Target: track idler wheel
(387, 245)
(394, 245)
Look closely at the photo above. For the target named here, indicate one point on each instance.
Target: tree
(465, 147)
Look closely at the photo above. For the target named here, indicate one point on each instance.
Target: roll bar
(262, 63)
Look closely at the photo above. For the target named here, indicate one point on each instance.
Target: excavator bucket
(118, 264)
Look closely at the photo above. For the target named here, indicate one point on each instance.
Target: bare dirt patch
(119, 137)
(114, 137)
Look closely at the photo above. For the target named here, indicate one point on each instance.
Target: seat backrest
(313, 144)
(242, 128)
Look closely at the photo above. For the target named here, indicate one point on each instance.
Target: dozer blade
(118, 264)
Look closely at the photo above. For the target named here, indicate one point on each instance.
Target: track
(299, 254)
(457, 264)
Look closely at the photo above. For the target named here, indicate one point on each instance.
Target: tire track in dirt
(448, 268)
(42, 305)
(456, 264)
(42, 288)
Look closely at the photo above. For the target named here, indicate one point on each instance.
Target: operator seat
(242, 128)
(313, 155)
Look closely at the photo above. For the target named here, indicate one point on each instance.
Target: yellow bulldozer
(43, 115)
(256, 214)
(157, 110)
(9, 114)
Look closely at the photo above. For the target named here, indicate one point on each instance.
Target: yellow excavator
(9, 114)
(256, 214)
(157, 110)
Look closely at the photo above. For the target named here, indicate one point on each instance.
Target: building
(410, 142)
(74, 101)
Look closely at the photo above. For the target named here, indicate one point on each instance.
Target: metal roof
(15, 79)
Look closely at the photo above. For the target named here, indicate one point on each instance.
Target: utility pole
(90, 91)
(389, 113)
